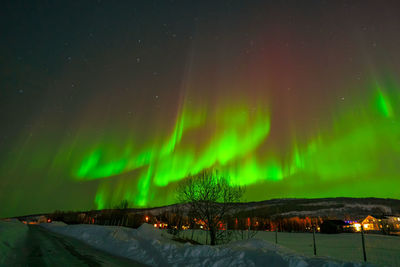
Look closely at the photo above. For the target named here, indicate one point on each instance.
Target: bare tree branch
(210, 198)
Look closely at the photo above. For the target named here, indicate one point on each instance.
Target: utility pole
(315, 247)
(363, 243)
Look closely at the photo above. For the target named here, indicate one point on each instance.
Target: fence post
(276, 235)
(363, 243)
(315, 247)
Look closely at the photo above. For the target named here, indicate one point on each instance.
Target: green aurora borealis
(285, 103)
(362, 144)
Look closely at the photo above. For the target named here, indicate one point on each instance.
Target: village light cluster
(375, 223)
(371, 223)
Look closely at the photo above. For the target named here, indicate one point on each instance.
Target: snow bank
(153, 247)
(57, 223)
(12, 233)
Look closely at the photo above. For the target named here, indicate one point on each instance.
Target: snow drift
(12, 233)
(153, 247)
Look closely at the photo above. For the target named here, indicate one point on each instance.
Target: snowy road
(45, 248)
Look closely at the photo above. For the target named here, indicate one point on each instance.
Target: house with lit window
(382, 223)
(371, 223)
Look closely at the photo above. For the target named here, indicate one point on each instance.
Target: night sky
(102, 101)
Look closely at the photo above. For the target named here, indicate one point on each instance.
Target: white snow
(12, 233)
(382, 250)
(337, 210)
(154, 247)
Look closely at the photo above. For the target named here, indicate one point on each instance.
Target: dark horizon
(241, 203)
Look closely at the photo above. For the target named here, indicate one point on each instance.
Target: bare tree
(210, 199)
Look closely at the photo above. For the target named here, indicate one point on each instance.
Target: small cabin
(333, 226)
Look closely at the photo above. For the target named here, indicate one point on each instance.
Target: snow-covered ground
(155, 247)
(381, 250)
(12, 232)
